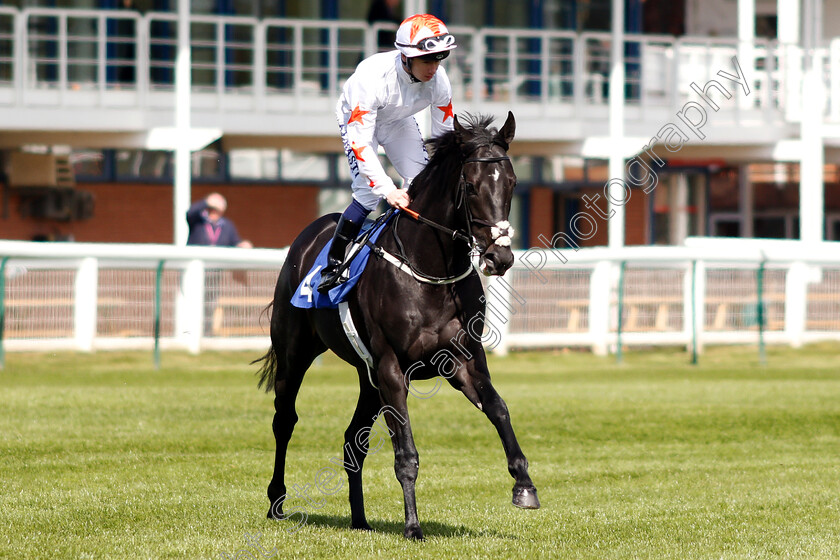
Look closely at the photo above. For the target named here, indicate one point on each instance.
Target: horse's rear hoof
(361, 526)
(525, 497)
(414, 533)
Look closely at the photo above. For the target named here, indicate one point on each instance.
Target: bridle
(402, 261)
(462, 191)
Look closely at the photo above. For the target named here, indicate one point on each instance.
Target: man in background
(208, 226)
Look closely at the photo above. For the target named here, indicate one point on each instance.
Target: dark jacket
(202, 232)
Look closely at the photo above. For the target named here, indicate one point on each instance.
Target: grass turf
(104, 457)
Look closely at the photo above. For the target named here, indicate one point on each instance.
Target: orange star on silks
(356, 115)
(371, 185)
(447, 111)
(357, 151)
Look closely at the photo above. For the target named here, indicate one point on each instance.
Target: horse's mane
(448, 155)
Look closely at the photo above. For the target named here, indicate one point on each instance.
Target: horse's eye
(470, 188)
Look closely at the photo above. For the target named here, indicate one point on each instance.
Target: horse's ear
(460, 131)
(509, 129)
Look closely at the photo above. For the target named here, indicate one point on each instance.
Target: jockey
(377, 108)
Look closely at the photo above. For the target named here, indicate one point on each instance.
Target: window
(145, 164)
(269, 164)
(771, 227)
(254, 164)
(726, 227)
(298, 166)
(832, 227)
(776, 225)
(523, 166)
(207, 164)
(89, 164)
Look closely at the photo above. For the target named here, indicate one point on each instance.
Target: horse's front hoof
(275, 511)
(415, 533)
(525, 497)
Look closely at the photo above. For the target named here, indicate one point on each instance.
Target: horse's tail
(268, 370)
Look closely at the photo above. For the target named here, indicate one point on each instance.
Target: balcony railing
(110, 58)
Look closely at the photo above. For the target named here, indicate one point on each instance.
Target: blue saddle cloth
(307, 295)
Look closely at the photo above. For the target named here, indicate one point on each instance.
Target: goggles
(432, 43)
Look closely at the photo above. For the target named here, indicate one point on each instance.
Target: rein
(455, 234)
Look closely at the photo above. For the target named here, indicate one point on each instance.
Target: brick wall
(832, 196)
(601, 234)
(268, 215)
(541, 214)
(636, 219)
(542, 210)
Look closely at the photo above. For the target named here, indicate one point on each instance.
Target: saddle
(308, 297)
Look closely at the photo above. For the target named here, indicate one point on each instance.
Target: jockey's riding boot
(345, 232)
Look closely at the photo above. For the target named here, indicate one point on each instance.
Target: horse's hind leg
(294, 355)
(356, 440)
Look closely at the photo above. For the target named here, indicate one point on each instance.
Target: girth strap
(355, 339)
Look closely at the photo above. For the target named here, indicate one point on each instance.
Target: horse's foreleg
(356, 448)
(480, 391)
(524, 491)
(406, 460)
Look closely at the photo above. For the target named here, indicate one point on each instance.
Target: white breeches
(404, 147)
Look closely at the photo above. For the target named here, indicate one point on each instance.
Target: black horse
(408, 316)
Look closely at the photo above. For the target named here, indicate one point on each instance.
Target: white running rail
(87, 297)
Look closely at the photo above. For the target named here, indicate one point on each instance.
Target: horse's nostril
(496, 262)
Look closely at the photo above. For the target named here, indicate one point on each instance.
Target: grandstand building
(720, 117)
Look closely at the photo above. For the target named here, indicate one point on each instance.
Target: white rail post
(497, 313)
(85, 308)
(796, 302)
(189, 307)
(688, 304)
(600, 296)
(699, 306)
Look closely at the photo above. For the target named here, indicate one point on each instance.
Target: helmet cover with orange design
(424, 35)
